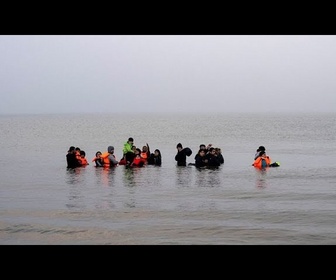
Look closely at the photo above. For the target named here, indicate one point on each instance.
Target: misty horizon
(64, 74)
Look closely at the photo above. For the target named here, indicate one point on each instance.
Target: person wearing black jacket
(155, 158)
(212, 158)
(200, 159)
(181, 156)
(72, 161)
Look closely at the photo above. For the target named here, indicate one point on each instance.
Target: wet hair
(72, 148)
(261, 148)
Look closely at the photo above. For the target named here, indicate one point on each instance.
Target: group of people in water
(132, 156)
(206, 157)
(211, 157)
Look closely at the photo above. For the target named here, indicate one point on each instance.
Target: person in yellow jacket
(128, 152)
(263, 161)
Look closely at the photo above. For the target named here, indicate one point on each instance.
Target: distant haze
(167, 73)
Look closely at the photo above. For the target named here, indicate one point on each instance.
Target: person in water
(83, 159)
(98, 160)
(145, 153)
(109, 158)
(71, 158)
(262, 161)
(180, 157)
(155, 158)
(219, 155)
(201, 147)
(212, 158)
(138, 161)
(200, 160)
(128, 152)
(77, 152)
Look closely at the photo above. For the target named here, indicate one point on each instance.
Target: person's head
(130, 140)
(77, 150)
(137, 151)
(261, 148)
(98, 154)
(179, 146)
(134, 148)
(212, 150)
(82, 154)
(157, 152)
(201, 152)
(110, 149)
(218, 150)
(262, 154)
(71, 149)
(202, 147)
(144, 149)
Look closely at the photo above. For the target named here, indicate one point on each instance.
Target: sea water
(42, 202)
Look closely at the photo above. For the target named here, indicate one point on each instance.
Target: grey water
(41, 202)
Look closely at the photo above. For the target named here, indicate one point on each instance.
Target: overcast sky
(167, 73)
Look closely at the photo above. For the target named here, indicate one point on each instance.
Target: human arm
(112, 159)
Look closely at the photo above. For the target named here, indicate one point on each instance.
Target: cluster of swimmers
(132, 156)
(210, 157)
(206, 157)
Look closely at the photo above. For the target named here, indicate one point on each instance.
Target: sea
(44, 203)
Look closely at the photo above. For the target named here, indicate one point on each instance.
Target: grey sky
(164, 73)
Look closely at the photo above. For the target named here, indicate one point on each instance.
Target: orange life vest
(258, 162)
(83, 161)
(144, 156)
(105, 159)
(138, 161)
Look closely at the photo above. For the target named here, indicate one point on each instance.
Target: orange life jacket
(83, 161)
(138, 161)
(258, 162)
(105, 159)
(144, 156)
